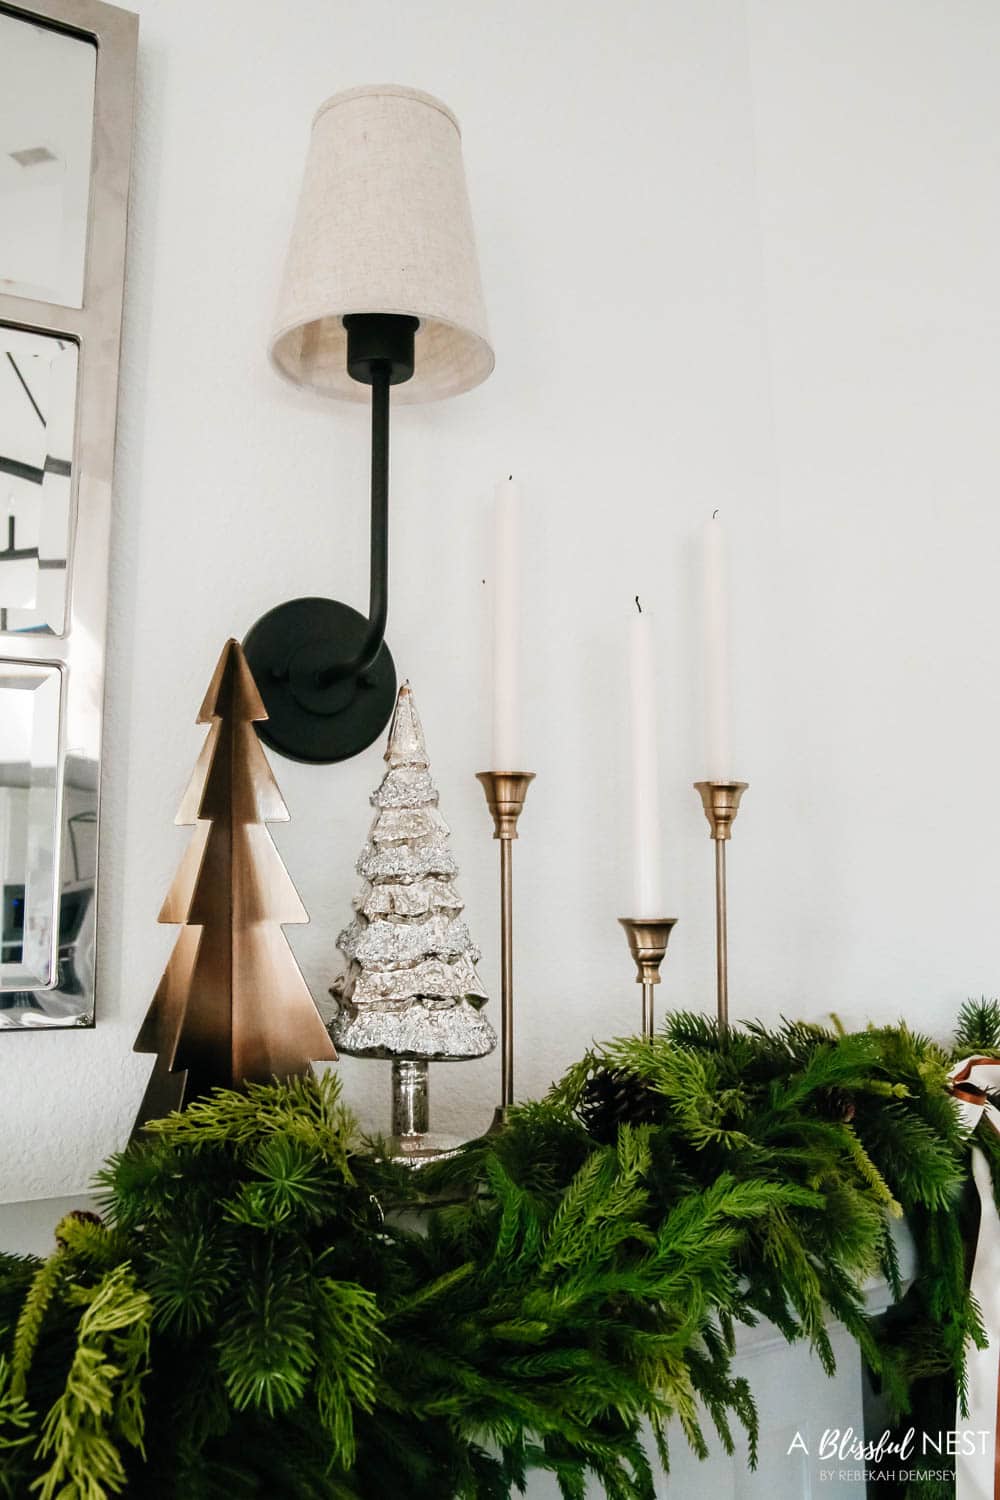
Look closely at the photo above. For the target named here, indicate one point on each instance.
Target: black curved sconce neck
(323, 670)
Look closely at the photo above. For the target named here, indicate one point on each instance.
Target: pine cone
(81, 1216)
(611, 1098)
(838, 1104)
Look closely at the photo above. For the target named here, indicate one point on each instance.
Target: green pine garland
(246, 1321)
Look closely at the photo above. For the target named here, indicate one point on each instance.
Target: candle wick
(510, 478)
(637, 604)
(715, 515)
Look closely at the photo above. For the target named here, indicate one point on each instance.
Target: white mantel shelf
(29, 1228)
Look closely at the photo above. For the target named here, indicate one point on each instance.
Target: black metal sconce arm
(323, 670)
(378, 592)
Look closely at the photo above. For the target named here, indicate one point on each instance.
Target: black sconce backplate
(287, 650)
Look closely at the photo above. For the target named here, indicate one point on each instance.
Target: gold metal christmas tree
(232, 1007)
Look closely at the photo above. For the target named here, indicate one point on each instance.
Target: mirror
(67, 73)
(29, 751)
(37, 406)
(46, 133)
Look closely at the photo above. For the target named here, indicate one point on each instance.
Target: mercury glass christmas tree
(410, 991)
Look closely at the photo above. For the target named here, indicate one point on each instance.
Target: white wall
(735, 256)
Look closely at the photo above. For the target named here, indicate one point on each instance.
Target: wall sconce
(381, 289)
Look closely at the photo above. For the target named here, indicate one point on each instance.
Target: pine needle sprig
(349, 1347)
(16, 1420)
(978, 1027)
(189, 1281)
(40, 1295)
(266, 1342)
(101, 1404)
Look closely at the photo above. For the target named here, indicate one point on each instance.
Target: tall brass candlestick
(505, 794)
(721, 801)
(647, 940)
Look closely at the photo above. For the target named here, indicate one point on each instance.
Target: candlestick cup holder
(647, 940)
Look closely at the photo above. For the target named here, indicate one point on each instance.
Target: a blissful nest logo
(913, 1456)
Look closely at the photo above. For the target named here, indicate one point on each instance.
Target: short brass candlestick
(721, 801)
(505, 794)
(647, 940)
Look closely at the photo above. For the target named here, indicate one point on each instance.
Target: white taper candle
(718, 677)
(647, 897)
(506, 627)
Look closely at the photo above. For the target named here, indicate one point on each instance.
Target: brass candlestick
(721, 801)
(505, 794)
(647, 940)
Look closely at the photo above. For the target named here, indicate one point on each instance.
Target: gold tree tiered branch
(232, 1006)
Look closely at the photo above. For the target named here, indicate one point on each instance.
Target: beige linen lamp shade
(383, 226)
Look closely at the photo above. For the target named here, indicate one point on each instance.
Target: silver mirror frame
(79, 652)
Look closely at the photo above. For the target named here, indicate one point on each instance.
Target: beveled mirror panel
(47, 82)
(67, 71)
(37, 416)
(29, 827)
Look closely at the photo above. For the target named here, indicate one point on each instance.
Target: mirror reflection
(29, 754)
(46, 134)
(38, 375)
(47, 823)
